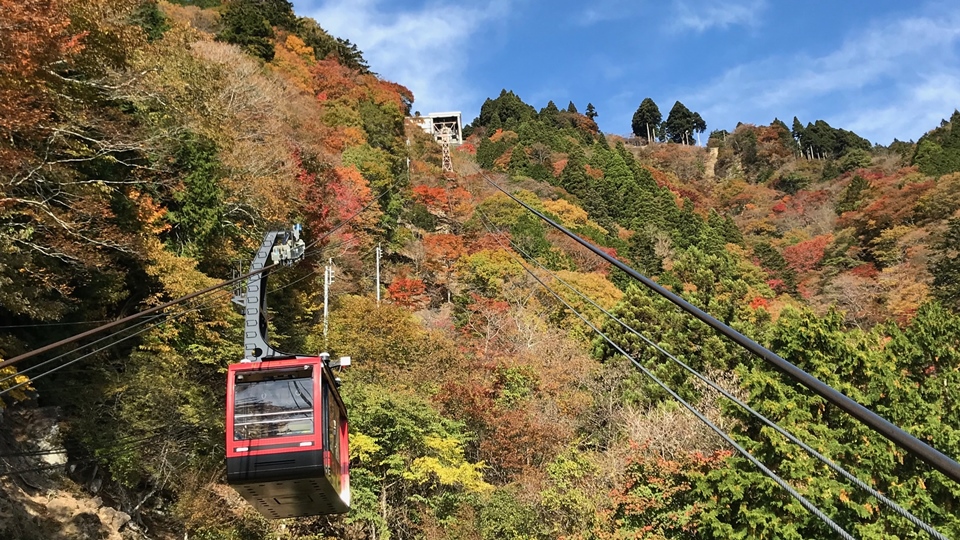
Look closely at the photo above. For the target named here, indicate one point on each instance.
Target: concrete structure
(441, 124)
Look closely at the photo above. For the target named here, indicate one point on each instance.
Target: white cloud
(701, 15)
(922, 108)
(424, 48)
(606, 10)
(891, 79)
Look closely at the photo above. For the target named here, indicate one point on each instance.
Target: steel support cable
(810, 507)
(901, 438)
(164, 320)
(43, 325)
(68, 353)
(199, 307)
(195, 294)
(792, 438)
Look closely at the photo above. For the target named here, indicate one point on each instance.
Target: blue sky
(882, 68)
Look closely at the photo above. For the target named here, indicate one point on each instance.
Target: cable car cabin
(287, 438)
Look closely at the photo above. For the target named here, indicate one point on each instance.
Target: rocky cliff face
(39, 500)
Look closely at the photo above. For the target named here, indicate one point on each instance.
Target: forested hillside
(147, 146)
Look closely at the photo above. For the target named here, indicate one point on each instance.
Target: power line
(817, 455)
(901, 438)
(813, 509)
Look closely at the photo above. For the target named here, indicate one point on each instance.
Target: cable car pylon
(287, 437)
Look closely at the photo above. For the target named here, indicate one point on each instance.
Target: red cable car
(287, 438)
(287, 446)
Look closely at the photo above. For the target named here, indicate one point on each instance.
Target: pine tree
(518, 160)
(591, 111)
(852, 196)
(573, 178)
(571, 108)
(681, 124)
(646, 120)
(797, 131)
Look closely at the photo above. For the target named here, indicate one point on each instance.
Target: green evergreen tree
(550, 116)
(198, 216)
(642, 251)
(786, 137)
(508, 107)
(773, 261)
(591, 112)
(325, 45)
(244, 24)
(571, 108)
(519, 162)
(646, 120)
(573, 178)
(681, 124)
(488, 151)
(687, 227)
(149, 17)
(713, 237)
(938, 152)
(279, 13)
(852, 196)
(699, 124)
(732, 233)
(797, 132)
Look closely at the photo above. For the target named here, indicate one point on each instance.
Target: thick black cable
(901, 438)
(813, 509)
(95, 351)
(23, 372)
(792, 438)
(133, 317)
(201, 292)
(18, 373)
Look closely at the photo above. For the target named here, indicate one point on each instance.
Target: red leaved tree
(408, 292)
(805, 256)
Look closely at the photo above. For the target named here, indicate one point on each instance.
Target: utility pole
(378, 274)
(327, 280)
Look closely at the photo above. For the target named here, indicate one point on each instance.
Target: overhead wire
(45, 325)
(792, 438)
(164, 319)
(809, 506)
(20, 373)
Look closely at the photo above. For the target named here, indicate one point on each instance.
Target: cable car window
(273, 404)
